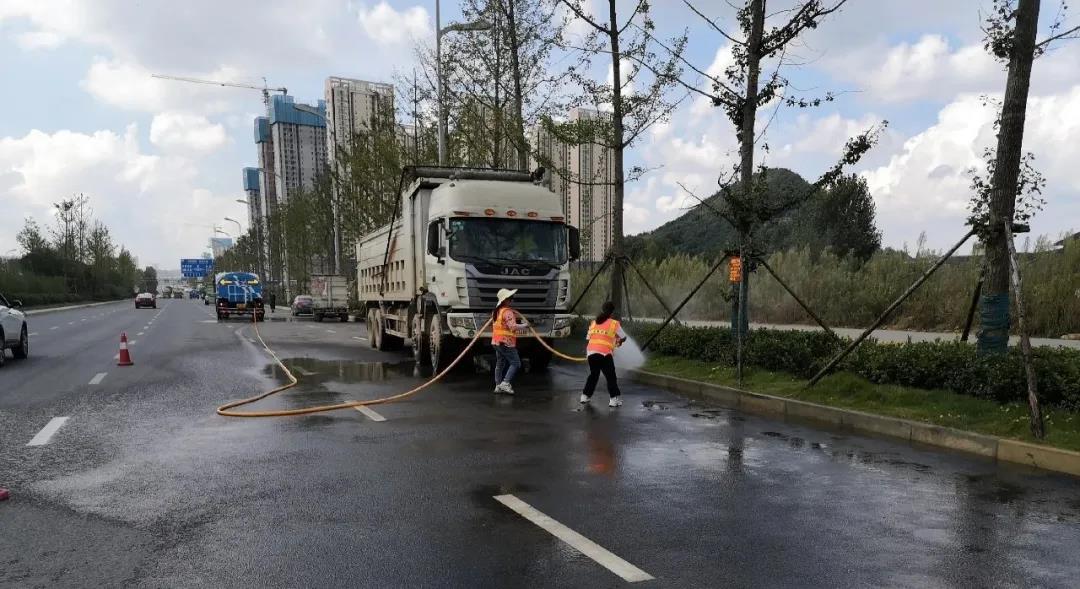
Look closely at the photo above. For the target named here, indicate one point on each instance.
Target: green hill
(701, 231)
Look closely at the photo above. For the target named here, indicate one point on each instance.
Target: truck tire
(370, 325)
(385, 342)
(3, 354)
(443, 350)
(344, 318)
(539, 360)
(22, 349)
(421, 345)
(318, 317)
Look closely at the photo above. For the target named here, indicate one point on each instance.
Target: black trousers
(601, 363)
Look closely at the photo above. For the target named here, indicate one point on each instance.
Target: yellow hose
(225, 409)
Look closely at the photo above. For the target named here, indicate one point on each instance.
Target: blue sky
(161, 161)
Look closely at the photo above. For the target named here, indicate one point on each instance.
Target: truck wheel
(539, 360)
(385, 342)
(421, 344)
(370, 325)
(318, 317)
(23, 349)
(443, 349)
(3, 354)
(344, 318)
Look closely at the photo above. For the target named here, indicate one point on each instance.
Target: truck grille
(533, 292)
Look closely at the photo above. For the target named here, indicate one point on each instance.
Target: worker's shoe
(505, 388)
(584, 400)
(615, 402)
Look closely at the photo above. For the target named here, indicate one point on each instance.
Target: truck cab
(432, 275)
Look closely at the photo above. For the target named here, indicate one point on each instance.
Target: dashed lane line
(370, 413)
(601, 555)
(48, 431)
(359, 339)
(32, 333)
(98, 378)
(52, 328)
(330, 331)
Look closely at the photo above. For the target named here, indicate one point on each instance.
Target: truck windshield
(508, 240)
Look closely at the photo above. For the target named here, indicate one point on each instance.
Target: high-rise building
(584, 177)
(299, 144)
(220, 245)
(354, 106)
(254, 196)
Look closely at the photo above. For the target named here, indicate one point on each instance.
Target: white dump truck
(458, 236)
(330, 296)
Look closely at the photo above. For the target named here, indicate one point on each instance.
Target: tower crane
(264, 88)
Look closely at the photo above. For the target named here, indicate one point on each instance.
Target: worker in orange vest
(504, 331)
(605, 334)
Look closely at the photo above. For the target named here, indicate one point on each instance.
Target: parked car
(13, 332)
(145, 299)
(303, 305)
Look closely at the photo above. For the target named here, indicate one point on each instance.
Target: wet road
(143, 485)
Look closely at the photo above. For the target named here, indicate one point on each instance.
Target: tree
(843, 219)
(1011, 31)
(149, 280)
(638, 97)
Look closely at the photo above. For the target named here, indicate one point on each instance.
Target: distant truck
(459, 235)
(239, 293)
(330, 294)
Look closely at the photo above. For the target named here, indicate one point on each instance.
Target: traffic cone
(125, 356)
(4, 494)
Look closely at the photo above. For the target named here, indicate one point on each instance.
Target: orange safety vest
(500, 333)
(602, 337)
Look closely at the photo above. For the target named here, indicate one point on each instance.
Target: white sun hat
(505, 293)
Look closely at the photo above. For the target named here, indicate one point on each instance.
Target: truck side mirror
(433, 246)
(575, 242)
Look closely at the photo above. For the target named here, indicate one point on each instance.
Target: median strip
(48, 431)
(601, 555)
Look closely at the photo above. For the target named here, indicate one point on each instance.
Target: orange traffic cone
(125, 356)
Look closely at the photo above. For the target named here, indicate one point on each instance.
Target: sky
(161, 161)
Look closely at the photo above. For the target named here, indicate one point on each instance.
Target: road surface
(143, 485)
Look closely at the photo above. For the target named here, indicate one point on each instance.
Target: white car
(13, 330)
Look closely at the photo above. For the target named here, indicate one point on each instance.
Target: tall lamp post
(478, 25)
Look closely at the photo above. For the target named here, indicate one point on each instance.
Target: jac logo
(516, 272)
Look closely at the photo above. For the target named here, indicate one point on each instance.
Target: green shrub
(952, 366)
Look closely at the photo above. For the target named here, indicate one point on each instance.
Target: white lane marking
(359, 338)
(71, 323)
(140, 333)
(48, 431)
(98, 378)
(311, 327)
(330, 331)
(52, 328)
(33, 333)
(82, 319)
(131, 343)
(370, 413)
(303, 371)
(601, 555)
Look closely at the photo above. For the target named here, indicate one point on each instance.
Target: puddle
(345, 370)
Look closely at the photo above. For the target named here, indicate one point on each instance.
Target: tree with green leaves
(637, 97)
(1011, 37)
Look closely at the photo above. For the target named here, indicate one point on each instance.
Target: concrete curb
(1000, 449)
(68, 308)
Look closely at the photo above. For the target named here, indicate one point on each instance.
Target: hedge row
(42, 299)
(952, 366)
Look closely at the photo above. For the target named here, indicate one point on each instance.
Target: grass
(850, 391)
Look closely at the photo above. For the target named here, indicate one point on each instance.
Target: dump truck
(238, 293)
(330, 295)
(458, 236)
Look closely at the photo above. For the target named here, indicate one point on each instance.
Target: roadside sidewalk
(69, 307)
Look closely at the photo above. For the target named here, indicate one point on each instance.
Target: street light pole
(440, 86)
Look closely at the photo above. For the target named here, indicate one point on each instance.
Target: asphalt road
(145, 486)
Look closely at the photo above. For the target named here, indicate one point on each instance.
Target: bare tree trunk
(617, 142)
(994, 331)
(515, 67)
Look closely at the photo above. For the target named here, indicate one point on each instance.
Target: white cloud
(388, 26)
(39, 40)
(153, 204)
(926, 185)
(130, 86)
(186, 132)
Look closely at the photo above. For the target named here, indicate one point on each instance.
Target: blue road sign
(196, 267)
